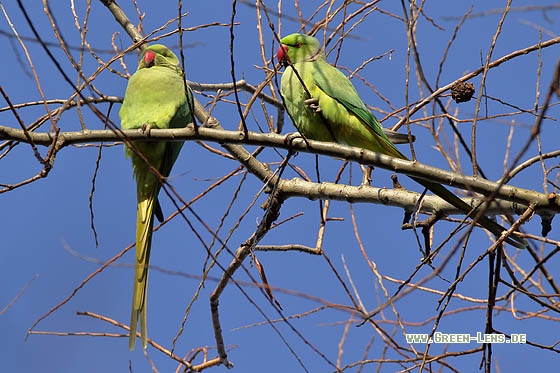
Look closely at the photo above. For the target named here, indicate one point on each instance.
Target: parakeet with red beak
(331, 110)
(155, 98)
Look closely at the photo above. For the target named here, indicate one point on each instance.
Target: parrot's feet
(313, 104)
(291, 137)
(146, 129)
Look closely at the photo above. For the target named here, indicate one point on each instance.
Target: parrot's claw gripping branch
(146, 129)
(291, 137)
(313, 104)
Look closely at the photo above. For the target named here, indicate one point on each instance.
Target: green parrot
(335, 112)
(155, 98)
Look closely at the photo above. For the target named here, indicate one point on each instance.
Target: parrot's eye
(298, 45)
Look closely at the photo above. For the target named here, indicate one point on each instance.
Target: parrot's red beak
(282, 54)
(149, 58)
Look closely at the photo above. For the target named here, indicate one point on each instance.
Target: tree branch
(231, 140)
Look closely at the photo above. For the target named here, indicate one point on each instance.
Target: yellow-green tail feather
(144, 225)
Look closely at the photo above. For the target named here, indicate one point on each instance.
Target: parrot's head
(159, 55)
(296, 48)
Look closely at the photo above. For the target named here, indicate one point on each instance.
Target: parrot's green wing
(333, 83)
(155, 97)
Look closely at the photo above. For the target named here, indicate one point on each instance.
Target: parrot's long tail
(491, 225)
(144, 226)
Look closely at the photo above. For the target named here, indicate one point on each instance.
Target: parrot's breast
(153, 97)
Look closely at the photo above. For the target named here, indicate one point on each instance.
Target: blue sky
(46, 224)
